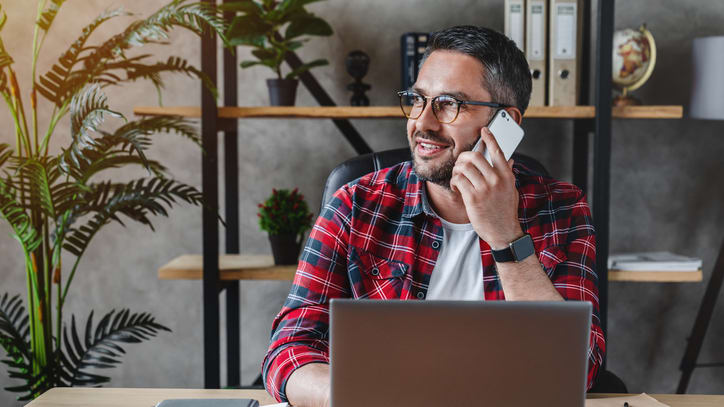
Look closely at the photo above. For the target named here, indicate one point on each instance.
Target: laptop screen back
(458, 353)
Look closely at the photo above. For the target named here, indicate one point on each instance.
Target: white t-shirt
(458, 272)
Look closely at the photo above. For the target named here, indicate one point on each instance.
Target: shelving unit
(223, 272)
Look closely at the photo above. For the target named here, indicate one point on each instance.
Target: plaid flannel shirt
(375, 240)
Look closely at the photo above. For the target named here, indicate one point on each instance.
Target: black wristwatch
(517, 250)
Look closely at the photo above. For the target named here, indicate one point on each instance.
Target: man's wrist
(503, 242)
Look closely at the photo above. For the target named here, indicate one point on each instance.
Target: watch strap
(503, 255)
(517, 250)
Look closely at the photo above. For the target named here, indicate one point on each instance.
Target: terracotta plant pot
(285, 249)
(282, 92)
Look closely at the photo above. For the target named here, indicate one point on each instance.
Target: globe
(634, 58)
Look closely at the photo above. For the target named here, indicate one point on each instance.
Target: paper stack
(653, 261)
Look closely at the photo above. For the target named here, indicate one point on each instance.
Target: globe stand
(624, 99)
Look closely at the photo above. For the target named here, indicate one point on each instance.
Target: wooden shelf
(648, 112)
(393, 112)
(656, 276)
(258, 267)
(231, 267)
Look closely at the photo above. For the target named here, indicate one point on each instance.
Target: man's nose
(427, 120)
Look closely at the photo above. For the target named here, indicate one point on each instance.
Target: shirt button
(375, 272)
(435, 244)
(420, 295)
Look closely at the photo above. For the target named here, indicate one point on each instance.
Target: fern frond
(99, 347)
(56, 85)
(173, 64)
(5, 58)
(99, 63)
(159, 124)
(14, 213)
(5, 153)
(132, 138)
(48, 15)
(14, 329)
(36, 181)
(136, 200)
(14, 334)
(87, 111)
(196, 17)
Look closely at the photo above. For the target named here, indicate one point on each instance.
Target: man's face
(435, 146)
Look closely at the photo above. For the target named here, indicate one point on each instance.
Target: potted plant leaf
(285, 216)
(274, 28)
(56, 202)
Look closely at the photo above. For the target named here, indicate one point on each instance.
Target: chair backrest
(358, 166)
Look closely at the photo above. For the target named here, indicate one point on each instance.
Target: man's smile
(428, 149)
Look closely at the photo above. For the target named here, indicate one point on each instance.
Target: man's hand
(489, 193)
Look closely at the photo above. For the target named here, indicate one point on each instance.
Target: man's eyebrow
(456, 94)
(418, 90)
(459, 95)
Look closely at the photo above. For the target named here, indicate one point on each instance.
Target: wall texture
(666, 191)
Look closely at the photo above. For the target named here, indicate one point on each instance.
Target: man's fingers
(470, 171)
(496, 154)
(463, 185)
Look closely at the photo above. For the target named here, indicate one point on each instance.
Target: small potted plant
(274, 28)
(285, 216)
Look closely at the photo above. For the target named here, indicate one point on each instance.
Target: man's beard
(439, 174)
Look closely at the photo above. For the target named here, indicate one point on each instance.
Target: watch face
(522, 248)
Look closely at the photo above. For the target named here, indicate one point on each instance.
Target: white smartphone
(507, 133)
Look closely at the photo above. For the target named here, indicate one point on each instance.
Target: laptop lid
(458, 353)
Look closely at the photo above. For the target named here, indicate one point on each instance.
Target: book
(653, 261)
(412, 48)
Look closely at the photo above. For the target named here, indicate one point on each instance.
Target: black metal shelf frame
(210, 126)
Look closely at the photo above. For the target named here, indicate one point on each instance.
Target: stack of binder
(549, 33)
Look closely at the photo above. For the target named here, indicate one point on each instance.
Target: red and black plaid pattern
(375, 240)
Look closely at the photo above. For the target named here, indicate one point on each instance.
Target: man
(440, 227)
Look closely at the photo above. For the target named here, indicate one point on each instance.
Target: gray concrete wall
(666, 191)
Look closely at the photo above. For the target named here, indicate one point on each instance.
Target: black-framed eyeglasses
(446, 108)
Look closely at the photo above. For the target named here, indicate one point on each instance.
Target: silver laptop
(458, 353)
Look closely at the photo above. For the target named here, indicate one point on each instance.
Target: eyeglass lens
(445, 108)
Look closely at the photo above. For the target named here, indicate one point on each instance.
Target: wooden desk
(125, 397)
(109, 397)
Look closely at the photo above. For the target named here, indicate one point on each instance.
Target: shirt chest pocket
(375, 277)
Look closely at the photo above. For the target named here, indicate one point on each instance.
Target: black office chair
(350, 170)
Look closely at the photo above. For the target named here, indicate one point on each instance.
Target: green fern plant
(57, 202)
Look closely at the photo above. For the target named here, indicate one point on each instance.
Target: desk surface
(119, 397)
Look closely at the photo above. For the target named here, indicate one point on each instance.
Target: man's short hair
(507, 75)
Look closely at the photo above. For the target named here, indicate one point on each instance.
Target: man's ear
(515, 114)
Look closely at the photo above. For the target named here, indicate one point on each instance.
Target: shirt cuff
(286, 361)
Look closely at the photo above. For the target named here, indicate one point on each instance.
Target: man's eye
(417, 99)
(446, 103)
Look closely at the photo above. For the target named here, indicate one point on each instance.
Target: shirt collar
(416, 201)
(413, 194)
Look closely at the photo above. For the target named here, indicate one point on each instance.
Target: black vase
(285, 248)
(282, 92)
